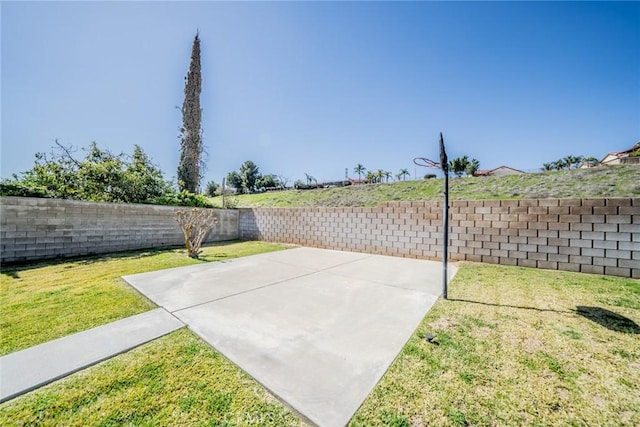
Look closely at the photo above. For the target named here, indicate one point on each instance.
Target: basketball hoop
(427, 163)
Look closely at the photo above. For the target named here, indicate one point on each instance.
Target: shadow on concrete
(508, 306)
(609, 319)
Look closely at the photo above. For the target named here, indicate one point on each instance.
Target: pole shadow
(609, 319)
(508, 306)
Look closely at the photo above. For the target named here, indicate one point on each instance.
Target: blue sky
(319, 87)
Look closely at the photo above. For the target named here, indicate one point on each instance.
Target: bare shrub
(195, 225)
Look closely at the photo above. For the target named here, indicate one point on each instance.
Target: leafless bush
(195, 225)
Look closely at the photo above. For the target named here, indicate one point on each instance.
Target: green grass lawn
(519, 346)
(516, 346)
(613, 181)
(44, 301)
(177, 380)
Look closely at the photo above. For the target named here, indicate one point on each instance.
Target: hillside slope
(612, 181)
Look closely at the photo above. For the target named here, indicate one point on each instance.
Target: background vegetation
(609, 181)
(98, 176)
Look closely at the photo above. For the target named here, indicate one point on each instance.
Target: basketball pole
(444, 164)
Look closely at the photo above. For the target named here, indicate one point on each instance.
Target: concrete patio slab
(179, 288)
(28, 369)
(318, 328)
(405, 273)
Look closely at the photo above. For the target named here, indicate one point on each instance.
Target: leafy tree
(100, 176)
(143, 181)
(402, 175)
(459, 165)
(191, 145)
(359, 169)
(211, 189)
(234, 180)
(472, 167)
(247, 179)
(249, 175)
(268, 181)
(56, 173)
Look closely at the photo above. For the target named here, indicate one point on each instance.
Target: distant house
(588, 164)
(357, 181)
(499, 171)
(630, 156)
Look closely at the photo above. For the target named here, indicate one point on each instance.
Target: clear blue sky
(320, 87)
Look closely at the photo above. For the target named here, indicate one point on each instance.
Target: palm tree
(371, 177)
(472, 167)
(403, 174)
(547, 167)
(379, 175)
(572, 161)
(359, 169)
(387, 175)
(578, 161)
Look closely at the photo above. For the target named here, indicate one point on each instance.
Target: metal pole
(445, 223)
(444, 164)
(223, 191)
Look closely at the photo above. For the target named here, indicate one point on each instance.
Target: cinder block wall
(586, 235)
(34, 229)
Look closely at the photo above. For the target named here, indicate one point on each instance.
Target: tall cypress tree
(191, 146)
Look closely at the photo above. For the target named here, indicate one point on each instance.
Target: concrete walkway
(26, 370)
(318, 328)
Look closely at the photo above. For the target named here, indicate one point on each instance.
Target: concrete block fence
(584, 235)
(587, 235)
(35, 229)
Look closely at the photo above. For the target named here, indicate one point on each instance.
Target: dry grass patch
(519, 346)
